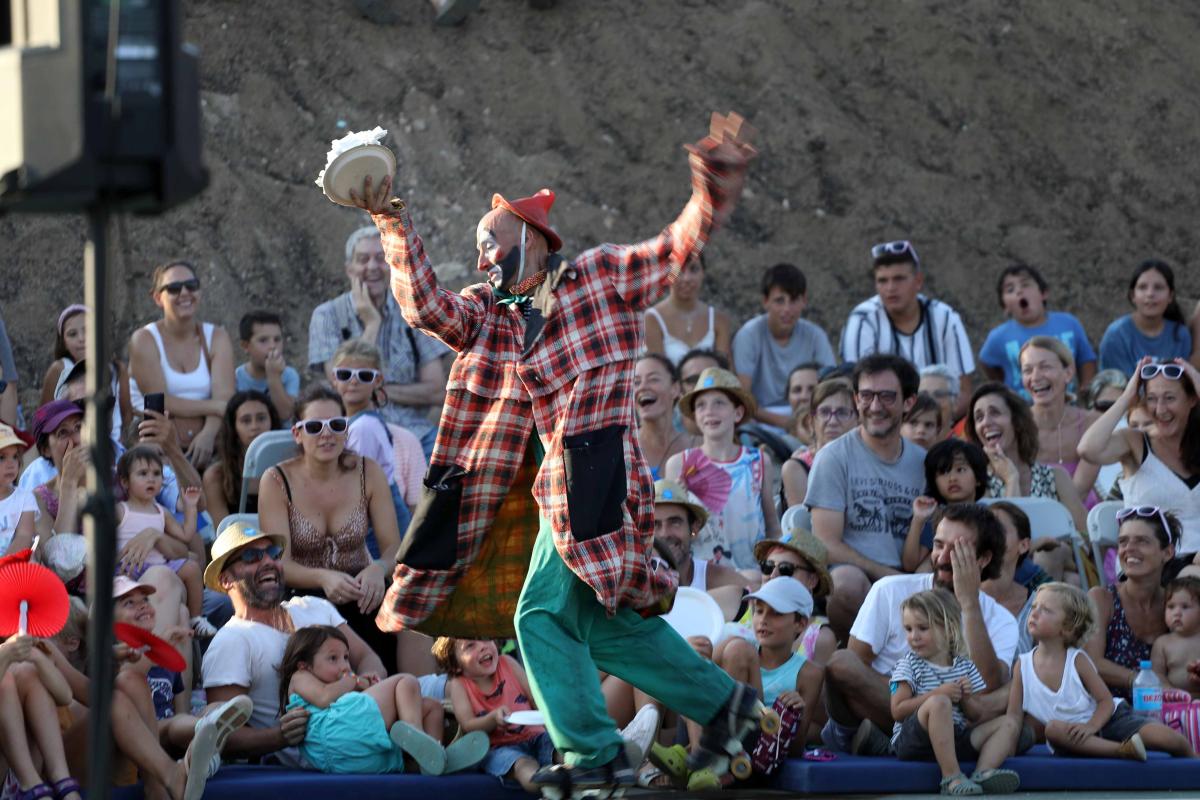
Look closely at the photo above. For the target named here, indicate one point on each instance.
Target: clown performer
(538, 507)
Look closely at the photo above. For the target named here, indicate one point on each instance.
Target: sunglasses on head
(344, 374)
(175, 287)
(1171, 372)
(1146, 512)
(900, 247)
(786, 568)
(314, 427)
(253, 555)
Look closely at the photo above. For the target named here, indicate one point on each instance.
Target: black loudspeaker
(99, 105)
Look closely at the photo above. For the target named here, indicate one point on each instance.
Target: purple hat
(47, 418)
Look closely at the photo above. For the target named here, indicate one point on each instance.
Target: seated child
(1176, 659)
(265, 369)
(140, 471)
(31, 690)
(484, 688)
(18, 507)
(934, 701)
(1057, 685)
(359, 725)
(923, 423)
(955, 472)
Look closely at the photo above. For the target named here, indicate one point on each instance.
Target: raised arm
(1102, 443)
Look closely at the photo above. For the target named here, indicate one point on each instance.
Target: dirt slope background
(1062, 134)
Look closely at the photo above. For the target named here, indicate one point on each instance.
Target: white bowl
(695, 613)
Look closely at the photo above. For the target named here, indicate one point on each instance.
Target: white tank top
(194, 385)
(1156, 484)
(675, 349)
(1071, 703)
(700, 574)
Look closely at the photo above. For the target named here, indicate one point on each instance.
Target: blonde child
(717, 404)
(955, 472)
(1057, 685)
(18, 507)
(140, 471)
(484, 688)
(31, 689)
(358, 725)
(934, 700)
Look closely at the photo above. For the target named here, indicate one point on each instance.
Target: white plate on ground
(695, 614)
(349, 168)
(527, 717)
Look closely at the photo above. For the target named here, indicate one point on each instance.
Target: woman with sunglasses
(1130, 613)
(1155, 328)
(189, 361)
(831, 412)
(1161, 466)
(327, 498)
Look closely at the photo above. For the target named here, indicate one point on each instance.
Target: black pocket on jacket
(431, 541)
(596, 490)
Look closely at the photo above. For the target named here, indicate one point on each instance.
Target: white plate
(528, 717)
(350, 168)
(695, 614)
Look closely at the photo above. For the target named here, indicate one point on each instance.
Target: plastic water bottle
(1147, 694)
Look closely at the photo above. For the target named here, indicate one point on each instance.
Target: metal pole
(100, 515)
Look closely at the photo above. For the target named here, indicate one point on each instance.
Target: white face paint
(496, 272)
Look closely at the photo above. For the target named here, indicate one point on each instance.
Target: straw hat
(722, 380)
(671, 492)
(8, 437)
(809, 548)
(232, 539)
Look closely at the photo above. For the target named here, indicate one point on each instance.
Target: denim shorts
(500, 760)
(912, 743)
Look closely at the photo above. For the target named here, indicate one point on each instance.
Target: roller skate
(771, 750)
(611, 780)
(722, 747)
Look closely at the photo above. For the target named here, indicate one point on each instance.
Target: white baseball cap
(786, 595)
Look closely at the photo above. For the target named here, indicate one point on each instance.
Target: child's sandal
(67, 786)
(959, 786)
(36, 792)
(997, 781)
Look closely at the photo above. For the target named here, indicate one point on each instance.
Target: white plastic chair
(1102, 530)
(1049, 517)
(267, 450)
(795, 517)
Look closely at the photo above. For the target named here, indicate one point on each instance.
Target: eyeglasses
(1171, 372)
(887, 398)
(786, 568)
(1103, 405)
(253, 555)
(840, 414)
(1144, 511)
(900, 247)
(175, 287)
(344, 375)
(314, 427)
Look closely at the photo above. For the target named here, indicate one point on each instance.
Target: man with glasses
(244, 656)
(902, 321)
(413, 378)
(862, 485)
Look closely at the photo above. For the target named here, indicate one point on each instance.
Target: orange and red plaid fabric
(575, 378)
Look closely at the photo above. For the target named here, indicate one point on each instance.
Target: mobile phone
(156, 401)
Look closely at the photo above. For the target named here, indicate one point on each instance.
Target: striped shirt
(939, 339)
(923, 677)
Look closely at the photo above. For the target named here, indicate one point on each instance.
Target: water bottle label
(1147, 699)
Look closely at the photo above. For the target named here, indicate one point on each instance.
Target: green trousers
(565, 635)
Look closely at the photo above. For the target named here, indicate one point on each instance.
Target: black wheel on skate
(768, 723)
(740, 767)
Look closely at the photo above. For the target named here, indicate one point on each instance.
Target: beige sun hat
(232, 539)
(671, 492)
(8, 438)
(721, 380)
(809, 548)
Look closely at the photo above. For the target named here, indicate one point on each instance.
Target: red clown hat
(536, 211)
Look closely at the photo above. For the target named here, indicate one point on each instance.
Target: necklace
(662, 456)
(1058, 432)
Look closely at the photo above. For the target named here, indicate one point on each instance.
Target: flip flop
(466, 751)
(424, 749)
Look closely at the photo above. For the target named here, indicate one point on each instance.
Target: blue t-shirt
(164, 686)
(1123, 345)
(1002, 349)
(291, 381)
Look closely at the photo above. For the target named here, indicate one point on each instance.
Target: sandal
(997, 781)
(959, 785)
(66, 786)
(35, 792)
(654, 778)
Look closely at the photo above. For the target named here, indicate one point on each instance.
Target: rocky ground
(1062, 134)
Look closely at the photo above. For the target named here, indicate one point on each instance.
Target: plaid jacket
(574, 379)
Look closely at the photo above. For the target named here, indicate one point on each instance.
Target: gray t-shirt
(758, 355)
(876, 496)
